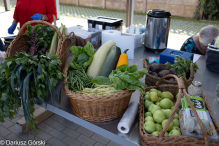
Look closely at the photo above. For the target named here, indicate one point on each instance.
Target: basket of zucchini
(100, 83)
(41, 38)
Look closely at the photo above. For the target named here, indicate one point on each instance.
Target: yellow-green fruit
(158, 127)
(175, 122)
(151, 107)
(166, 134)
(166, 103)
(153, 96)
(156, 133)
(167, 113)
(170, 127)
(158, 116)
(147, 97)
(147, 93)
(177, 95)
(176, 128)
(155, 108)
(157, 103)
(159, 99)
(148, 114)
(174, 133)
(153, 90)
(176, 116)
(177, 111)
(149, 127)
(147, 103)
(148, 118)
(167, 94)
(159, 93)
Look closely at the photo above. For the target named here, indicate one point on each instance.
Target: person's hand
(12, 28)
(37, 16)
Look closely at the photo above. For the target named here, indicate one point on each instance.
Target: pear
(155, 133)
(153, 96)
(175, 133)
(147, 103)
(148, 114)
(155, 108)
(149, 127)
(146, 97)
(158, 116)
(170, 126)
(148, 118)
(166, 103)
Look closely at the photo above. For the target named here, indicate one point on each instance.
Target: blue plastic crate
(169, 55)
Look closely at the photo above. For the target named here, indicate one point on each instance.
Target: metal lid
(159, 13)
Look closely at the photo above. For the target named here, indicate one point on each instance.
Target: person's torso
(190, 46)
(27, 8)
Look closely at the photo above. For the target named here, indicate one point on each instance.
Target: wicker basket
(151, 140)
(63, 48)
(98, 108)
(151, 80)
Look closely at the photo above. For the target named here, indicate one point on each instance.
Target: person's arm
(51, 10)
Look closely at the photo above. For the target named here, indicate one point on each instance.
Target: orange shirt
(26, 8)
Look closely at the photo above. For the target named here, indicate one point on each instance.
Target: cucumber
(99, 58)
(111, 61)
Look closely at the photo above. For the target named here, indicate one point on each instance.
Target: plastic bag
(2, 57)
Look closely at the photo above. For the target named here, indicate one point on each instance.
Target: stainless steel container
(157, 29)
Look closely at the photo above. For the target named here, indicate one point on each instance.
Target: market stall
(109, 68)
(109, 129)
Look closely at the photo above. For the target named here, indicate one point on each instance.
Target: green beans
(78, 79)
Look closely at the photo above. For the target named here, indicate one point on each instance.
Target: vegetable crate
(63, 48)
(151, 140)
(98, 108)
(151, 80)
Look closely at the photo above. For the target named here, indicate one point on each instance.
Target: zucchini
(99, 58)
(111, 61)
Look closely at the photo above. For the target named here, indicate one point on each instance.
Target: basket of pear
(159, 120)
(159, 106)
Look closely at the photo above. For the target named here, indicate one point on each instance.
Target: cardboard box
(40, 115)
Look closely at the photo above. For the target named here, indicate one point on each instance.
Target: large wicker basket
(151, 80)
(63, 48)
(161, 140)
(98, 108)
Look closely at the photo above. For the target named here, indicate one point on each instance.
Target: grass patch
(144, 14)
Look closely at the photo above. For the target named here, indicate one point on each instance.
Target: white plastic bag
(2, 57)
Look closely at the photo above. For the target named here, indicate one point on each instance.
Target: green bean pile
(78, 79)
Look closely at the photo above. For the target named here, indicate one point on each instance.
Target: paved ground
(56, 130)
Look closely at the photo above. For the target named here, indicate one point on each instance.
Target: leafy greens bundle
(124, 77)
(82, 56)
(24, 77)
(182, 66)
(41, 35)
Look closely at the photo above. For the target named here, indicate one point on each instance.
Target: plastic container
(169, 55)
(105, 23)
(83, 36)
(212, 134)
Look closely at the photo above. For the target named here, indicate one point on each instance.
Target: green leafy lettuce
(82, 56)
(124, 77)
